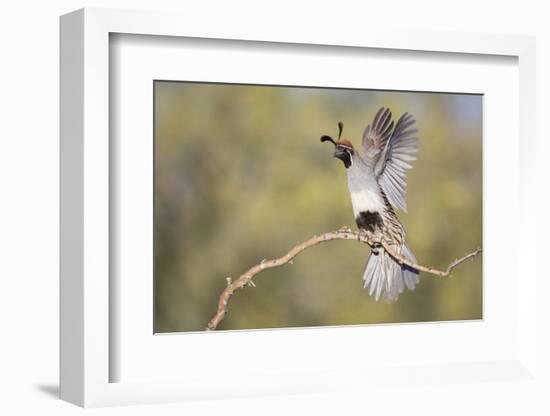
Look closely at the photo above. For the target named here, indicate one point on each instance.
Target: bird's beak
(339, 152)
(342, 154)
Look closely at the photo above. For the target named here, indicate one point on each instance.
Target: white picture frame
(86, 302)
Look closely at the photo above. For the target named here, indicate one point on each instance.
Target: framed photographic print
(210, 179)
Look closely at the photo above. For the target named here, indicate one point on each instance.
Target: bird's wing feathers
(391, 167)
(390, 150)
(376, 135)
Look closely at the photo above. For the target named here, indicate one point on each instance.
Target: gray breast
(364, 189)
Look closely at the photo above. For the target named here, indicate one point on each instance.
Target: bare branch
(402, 260)
(344, 233)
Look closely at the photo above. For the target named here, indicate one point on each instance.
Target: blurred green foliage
(240, 175)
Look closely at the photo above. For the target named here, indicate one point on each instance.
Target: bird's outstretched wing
(376, 135)
(390, 150)
(391, 167)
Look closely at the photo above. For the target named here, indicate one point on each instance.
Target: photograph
(296, 206)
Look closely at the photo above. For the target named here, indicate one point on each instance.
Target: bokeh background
(240, 175)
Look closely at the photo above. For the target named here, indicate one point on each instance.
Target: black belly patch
(369, 220)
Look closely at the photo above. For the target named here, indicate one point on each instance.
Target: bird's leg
(372, 240)
(363, 234)
(375, 248)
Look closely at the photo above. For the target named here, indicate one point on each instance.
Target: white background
(29, 172)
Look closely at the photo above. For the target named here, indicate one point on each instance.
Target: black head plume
(330, 139)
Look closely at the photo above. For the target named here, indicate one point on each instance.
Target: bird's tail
(384, 275)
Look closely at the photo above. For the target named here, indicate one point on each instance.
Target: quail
(377, 185)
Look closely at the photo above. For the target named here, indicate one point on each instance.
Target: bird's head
(343, 149)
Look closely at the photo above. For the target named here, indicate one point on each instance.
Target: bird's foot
(362, 235)
(374, 246)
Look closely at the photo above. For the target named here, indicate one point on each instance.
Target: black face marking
(369, 220)
(344, 154)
